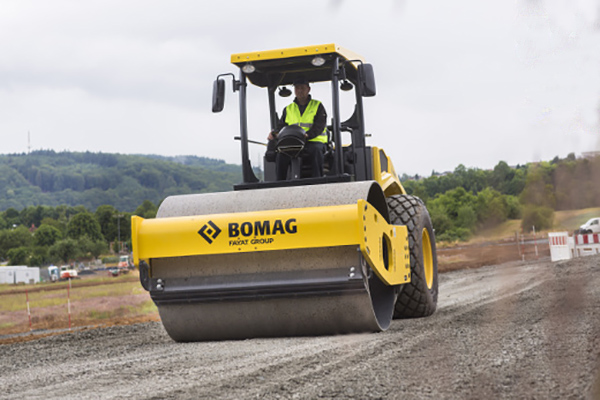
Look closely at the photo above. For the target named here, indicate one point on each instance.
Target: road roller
(346, 252)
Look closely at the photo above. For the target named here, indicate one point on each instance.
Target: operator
(310, 115)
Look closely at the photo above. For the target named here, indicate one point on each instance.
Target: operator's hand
(272, 135)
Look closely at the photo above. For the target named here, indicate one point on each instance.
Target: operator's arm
(318, 124)
(280, 124)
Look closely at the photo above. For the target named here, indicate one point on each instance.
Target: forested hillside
(94, 179)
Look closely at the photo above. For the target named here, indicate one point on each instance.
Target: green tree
(84, 224)
(46, 235)
(34, 215)
(146, 210)
(538, 216)
(105, 215)
(439, 218)
(501, 177)
(64, 250)
(453, 200)
(12, 217)
(91, 247)
(13, 238)
(466, 218)
(491, 207)
(513, 207)
(18, 256)
(61, 224)
(39, 256)
(539, 189)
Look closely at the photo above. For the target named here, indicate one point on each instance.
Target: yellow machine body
(307, 256)
(384, 246)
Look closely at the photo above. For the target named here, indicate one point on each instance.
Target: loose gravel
(515, 330)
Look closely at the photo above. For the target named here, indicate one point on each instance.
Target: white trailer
(19, 274)
(7, 275)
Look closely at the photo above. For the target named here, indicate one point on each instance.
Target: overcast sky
(459, 82)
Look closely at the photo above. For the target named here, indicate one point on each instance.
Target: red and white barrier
(69, 302)
(560, 246)
(587, 245)
(564, 247)
(28, 310)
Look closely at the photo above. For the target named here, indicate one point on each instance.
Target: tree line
(460, 202)
(90, 180)
(469, 199)
(41, 235)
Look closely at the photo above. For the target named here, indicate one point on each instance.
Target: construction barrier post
(559, 246)
(28, 310)
(69, 302)
(587, 244)
(535, 243)
(522, 245)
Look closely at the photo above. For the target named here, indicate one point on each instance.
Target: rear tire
(419, 297)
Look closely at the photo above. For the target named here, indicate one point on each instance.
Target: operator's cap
(301, 80)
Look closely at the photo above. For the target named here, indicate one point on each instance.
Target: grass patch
(502, 231)
(6, 325)
(568, 220)
(96, 315)
(116, 290)
(147, 307)
(572, 219)
(52, 298)
(18, 302)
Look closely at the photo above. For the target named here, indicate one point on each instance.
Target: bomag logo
(209, 231)
(256, 229)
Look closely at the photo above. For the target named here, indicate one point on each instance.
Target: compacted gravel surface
(515, 330)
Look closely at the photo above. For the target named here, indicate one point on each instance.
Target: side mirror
(218, 100)
(284, 92)
(367, 80)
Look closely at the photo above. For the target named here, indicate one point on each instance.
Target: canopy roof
(282, 66)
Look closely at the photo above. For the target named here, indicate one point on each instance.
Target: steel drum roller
(289, 292)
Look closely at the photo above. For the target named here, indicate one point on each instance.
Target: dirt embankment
(516, 330)
(475, 255)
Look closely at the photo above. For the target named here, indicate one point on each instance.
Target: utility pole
(118, 217)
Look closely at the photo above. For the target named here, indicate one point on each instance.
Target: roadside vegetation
(97, 192)
(470, 201)
(43, 235)
(101, 300)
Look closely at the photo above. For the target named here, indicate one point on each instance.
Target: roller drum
(293, 292)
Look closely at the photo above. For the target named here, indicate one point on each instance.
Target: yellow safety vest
(305, 121)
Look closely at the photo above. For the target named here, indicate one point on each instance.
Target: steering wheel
(291, 140)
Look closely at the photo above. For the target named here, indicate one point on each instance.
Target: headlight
(318, 61)
(248, 68)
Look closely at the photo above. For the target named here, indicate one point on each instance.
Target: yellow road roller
(345, 252)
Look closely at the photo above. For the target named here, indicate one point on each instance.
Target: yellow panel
(246, 232)
(294, 52)
(387, 179)
(377, 234)
(354, 224)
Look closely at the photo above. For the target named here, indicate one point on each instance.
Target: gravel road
(515, 330)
